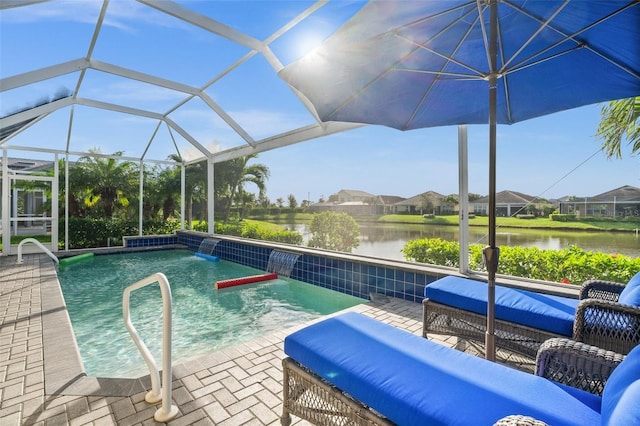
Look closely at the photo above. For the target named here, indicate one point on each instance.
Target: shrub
(334, 231)
(563, 217)
(257, 232)
(92, 232)
(433, 250)
(569, 265)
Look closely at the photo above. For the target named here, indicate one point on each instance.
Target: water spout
(282, 262)
(207, 246)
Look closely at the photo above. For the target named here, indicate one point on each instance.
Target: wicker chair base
(452, 321)
(309, 397)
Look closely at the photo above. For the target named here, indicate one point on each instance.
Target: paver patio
(41, 382)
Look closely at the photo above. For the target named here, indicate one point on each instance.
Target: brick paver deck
(41, 381)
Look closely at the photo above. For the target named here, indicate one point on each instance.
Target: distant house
(508, 203)
(358, 203)
(624, 201)
(349, 196)
(385, 204)
(429, 202)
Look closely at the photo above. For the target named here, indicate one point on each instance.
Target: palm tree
(168, 181)
(232, 175)
(620, 119)
(108, 179)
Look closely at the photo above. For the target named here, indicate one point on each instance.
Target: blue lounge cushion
(630, 295)
(621, 396)
(414, 381)
(542, 311)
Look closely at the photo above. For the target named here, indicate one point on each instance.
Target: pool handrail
(37, 243)
(167, 411)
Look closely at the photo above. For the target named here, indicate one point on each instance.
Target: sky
(550, 157)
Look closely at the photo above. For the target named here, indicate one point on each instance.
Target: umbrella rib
(546, 58)
(484, 35)
(458, 76)
(449, 59)
(505, 77)
(544, 24)
(572, 37)
(364, 87)
(418, 46)
(432, 17)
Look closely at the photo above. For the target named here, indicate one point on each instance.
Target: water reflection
(386, 240)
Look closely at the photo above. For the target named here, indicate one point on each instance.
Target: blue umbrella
(416, 64)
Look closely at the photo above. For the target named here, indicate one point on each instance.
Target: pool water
(204, 319)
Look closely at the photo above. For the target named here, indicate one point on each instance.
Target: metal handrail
(167, 411)
(37, 243)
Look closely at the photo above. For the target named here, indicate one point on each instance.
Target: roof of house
(23, 164)
(623, 194)
(417, 199)
(390, 199)
(508, 197)
(356, 193)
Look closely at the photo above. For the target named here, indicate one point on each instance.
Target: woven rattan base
(452, 321)
(309, 397)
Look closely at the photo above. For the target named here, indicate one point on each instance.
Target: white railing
(167, 411)
(37, 243)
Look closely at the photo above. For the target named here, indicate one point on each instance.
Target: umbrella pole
(491, 253)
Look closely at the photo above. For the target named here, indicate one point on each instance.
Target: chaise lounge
(351, 369)
(606, 315)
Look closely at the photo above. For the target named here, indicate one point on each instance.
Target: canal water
(385, 240)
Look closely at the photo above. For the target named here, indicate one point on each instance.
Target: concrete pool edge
(63, 369)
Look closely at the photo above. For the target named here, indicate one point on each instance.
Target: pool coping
(63, 368)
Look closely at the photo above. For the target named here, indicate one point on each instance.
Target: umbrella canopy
(416, 64)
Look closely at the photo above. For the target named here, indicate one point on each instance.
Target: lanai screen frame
(15, 124)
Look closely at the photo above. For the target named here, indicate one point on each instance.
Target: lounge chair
(351, 369)
(606, 314)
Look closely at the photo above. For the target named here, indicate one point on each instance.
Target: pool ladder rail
(167, 411)
(39, 245)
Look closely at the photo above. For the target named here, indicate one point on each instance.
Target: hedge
(570, 265)
(87, 233)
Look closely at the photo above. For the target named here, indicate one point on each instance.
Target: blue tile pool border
(350, 274)
(356, 275)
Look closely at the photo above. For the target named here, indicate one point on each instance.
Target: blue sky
(550, 156)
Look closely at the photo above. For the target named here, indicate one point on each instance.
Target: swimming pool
(204, 319)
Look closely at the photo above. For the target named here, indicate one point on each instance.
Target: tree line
(106, 187)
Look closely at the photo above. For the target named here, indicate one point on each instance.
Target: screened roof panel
(149, 41)
(203, 124)
(155, 78)
(40, 92)
(49, 133)
(301, 39)
(70, 25)
(272, 14)
(266, 107)
(109, 88)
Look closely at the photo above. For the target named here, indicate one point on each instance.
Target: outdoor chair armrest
(518, 420)
(607, 325)
(598, 289)
(576, 364)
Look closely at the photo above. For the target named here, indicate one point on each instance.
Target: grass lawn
(512, 222)
(503, 222)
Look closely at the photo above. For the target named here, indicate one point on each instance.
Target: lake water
(386, 239)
